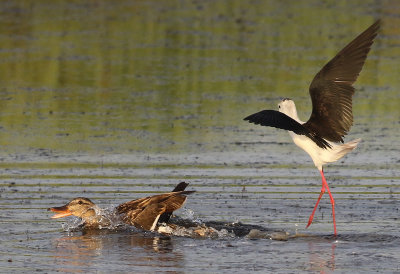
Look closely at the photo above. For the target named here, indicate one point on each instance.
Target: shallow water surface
(117, 100)
(271, 198)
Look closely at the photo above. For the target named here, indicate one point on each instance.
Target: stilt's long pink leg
(332, 200)
(316, 205)
(323, 188)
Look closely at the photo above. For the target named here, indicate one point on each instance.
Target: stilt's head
(288, 107)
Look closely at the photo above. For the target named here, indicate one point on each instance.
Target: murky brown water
(116, 101)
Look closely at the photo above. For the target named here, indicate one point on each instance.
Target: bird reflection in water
(322, 257)
(96, 247)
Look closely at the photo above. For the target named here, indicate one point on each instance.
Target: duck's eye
(279, 106)
(80, 202)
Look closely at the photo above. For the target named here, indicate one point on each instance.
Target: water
(116, 101)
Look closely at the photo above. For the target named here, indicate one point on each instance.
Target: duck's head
(288, 107)
(79, 207)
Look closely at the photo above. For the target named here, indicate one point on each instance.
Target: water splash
(190, 215)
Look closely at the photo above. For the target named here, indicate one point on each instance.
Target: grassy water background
(175, 77)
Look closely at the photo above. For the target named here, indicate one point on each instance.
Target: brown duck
(143, 213)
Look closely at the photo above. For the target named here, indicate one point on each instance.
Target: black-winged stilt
(331, 94)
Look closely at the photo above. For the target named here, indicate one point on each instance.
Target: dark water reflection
(116, 100)
(91, 251)
(139, 252)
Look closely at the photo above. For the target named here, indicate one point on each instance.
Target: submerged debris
(200, 231)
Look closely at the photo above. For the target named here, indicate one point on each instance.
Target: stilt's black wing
(273, 118)
(331, 90)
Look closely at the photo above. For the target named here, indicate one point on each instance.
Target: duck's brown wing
(143, 202)
(331, 90)
(129, 216)
(169, 201)
(151, 215)
(148, 217)
(174, 202)
(164, 218)
(133, 205)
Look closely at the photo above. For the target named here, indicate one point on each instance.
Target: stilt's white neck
(288, 107)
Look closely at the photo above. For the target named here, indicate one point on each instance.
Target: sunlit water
(117, 100)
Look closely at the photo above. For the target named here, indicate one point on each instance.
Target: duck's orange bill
(62, 212)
